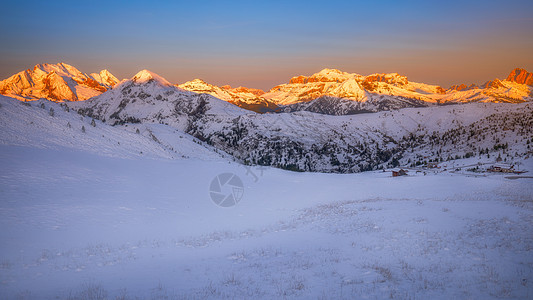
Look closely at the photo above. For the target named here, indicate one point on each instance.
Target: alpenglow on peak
(146, 76)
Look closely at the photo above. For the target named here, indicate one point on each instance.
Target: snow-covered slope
(80, 226)
(45, 124)
(56, 82)
(243, 97)
(315, 142)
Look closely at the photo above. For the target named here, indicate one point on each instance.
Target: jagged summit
(521, 76)
(145, 76)
(105, 77)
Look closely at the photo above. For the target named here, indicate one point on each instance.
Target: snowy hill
(149, 98)
(45, 124)
(57, 82)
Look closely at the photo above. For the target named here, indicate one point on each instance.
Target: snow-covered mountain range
(335, 92)
(329, 91)
(300, 139)
(56, 82)
(339, 93)
(307, 141)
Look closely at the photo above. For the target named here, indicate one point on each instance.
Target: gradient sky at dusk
(264, 43)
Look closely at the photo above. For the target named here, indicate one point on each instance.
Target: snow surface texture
(75, 225)
(85, 215)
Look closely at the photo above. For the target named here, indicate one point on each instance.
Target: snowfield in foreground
(76, 225)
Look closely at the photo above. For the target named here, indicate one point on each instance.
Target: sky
(261, 44)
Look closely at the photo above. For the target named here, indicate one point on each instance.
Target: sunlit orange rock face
(89, 82)
(440, 90)
(459, 87)
(56, 89)
(397, 80)
(299, 79)
(496, 83)
(462, 87)
(242, 89)
(521, 76)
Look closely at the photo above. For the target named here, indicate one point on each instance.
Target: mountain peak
(145, 76)
(56, 82)
(521, 76)
(198, 80)
(330, 71)
(105, 78)
(197, 85)
(105, 72)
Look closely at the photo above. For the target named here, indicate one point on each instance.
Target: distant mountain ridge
(246, 98)
(329, 91)
(335, 92)
(149, 105)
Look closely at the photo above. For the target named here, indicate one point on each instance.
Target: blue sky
(264, 43)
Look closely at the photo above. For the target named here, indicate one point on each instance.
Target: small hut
(401, 172)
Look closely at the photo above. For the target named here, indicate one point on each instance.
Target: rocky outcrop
(521, 76)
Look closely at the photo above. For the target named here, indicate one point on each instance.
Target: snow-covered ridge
(243, 97)
(49, 125)
(148, 98)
